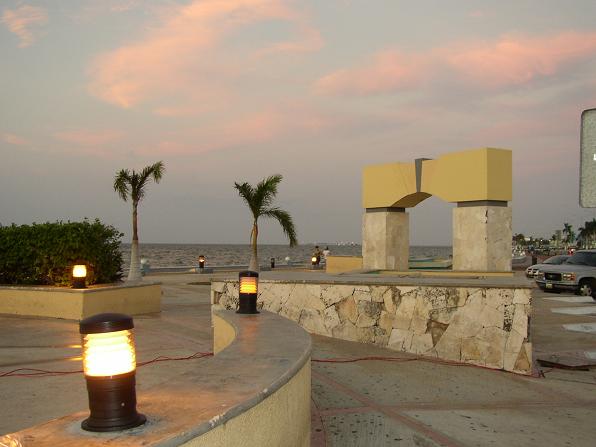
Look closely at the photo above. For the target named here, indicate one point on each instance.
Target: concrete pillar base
(482, 238)
(385, 239)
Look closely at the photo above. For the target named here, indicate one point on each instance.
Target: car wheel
(586, 288)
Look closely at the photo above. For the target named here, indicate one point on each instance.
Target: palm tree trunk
(254, 258)
(134, 273)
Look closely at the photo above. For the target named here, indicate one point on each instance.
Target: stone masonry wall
(481, 326)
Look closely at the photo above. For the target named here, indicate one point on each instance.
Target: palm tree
(127, 183)
(259, 201)
(569, 234)
(519, 239)
(587, 234)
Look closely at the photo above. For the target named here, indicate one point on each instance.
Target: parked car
(578, 274)
(553, 260)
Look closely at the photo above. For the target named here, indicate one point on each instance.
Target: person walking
(326, 253)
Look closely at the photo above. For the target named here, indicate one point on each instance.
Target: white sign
(587, 177)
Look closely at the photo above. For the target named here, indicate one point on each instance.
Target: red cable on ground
(422, 359)
(198, 355)
(45, 373)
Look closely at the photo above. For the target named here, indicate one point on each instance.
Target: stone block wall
(482, 325)
(482, 238)
(385, 239)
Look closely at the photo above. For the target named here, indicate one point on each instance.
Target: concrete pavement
(419, 403)
(182, 328)
(370, 403)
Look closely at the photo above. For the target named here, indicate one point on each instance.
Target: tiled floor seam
(410, 422)
(318, 436)
(455, 407)
(546, 390)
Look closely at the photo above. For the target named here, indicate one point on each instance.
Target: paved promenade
(371, 403)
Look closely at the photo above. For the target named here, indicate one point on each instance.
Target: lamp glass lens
(314, 259)
(79, 271)
(108, 354)
(248, 284)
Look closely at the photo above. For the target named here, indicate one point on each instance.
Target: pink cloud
(250, 128)
(88, 138)
(508, 61)
(175, 111)
(388, 71)
(183, 55)
(22, 19)
(518, 60)
(274, 122)
(477, 14)
(13, 139)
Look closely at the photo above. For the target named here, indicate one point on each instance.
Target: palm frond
(155, 171)
(286, 222)
(266, 191)
(121, 183)
(247, 192)
(136, 189)
(131, 183)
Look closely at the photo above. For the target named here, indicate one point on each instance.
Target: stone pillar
(482, 236)
(385, 239)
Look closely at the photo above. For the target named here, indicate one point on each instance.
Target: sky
(228, 91)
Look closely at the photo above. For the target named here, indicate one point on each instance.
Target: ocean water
(173, 255)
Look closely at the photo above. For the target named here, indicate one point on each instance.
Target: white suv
(578, 274)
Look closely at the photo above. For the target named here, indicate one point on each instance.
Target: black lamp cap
(248, 273)
(108, 322)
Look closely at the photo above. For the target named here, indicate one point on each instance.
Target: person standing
(326, 253)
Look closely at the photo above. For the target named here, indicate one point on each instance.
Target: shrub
(45, 253)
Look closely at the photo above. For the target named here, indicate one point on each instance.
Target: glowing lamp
(249, 283)
(201, 262)
(109, 365)
(272, 263)
(313, 261)
(79, 276)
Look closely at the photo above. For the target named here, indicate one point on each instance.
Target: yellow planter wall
(339, 264)
(76, 304)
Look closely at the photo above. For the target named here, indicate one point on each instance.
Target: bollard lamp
(79, 276)
(201, 262)
(247, 300)
(109, 366)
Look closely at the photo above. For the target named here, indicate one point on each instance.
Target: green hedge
(45, 253)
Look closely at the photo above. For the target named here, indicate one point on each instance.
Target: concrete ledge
(76, 304)
(255, 392)
(483, 322)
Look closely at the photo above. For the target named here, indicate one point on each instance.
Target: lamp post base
(139, 419)
(112, 403)
(247, 304)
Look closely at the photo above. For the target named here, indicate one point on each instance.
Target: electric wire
(34, 372)
(421, 359)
